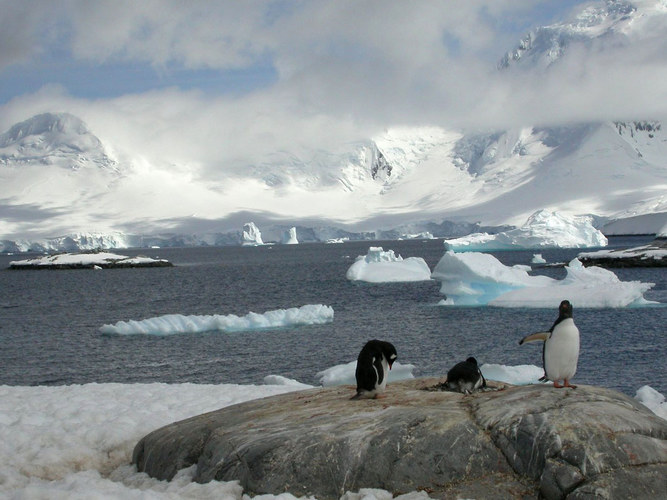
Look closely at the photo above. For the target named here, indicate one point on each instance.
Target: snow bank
(344, 374)
(311, 314)
(379, 266)
(481, 279)
(543, 229)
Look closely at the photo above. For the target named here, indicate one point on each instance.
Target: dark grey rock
(512, 443)
(651, 255)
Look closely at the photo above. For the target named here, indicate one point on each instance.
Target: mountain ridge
(65, 179)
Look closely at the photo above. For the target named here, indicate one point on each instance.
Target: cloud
(345, 70)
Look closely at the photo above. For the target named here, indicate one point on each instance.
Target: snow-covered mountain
(59, 139)
(600, 25)
(57, 177)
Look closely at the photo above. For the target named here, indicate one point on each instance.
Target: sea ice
(379, 266)
(310, 314)
(515, 375)
(344, 374)
(472, 279)
(543, 229)
(538, 259)
(653, 400)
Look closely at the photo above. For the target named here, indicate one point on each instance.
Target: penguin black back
(374, 359)
(465, 376)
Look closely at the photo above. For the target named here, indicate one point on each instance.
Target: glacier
(171, 324)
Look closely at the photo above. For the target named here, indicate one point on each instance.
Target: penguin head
(565, 309)
(389, 352)
(472, 361)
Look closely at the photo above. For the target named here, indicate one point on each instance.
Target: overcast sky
(207, 82)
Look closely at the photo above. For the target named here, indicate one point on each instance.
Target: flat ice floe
(543, 229)
(473, 279)
(379, 266)
(310, 314)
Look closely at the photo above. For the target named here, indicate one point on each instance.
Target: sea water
(50, 320)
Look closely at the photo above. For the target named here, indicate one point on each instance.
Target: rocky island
(88, 260)
(511, 442)
(652, 255)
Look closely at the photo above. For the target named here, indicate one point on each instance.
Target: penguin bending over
(465, 377)
(373, 365)
(560, 352)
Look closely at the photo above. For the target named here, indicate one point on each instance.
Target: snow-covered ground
(76, 442)
(309, 314)
(380, 266)
(543, 229)
(473, 278)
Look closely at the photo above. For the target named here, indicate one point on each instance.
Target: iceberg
(543, 229)
(310, 314)
(379, 266)
(474, 279)
(289, 237)
(345, 374)
(251, 235)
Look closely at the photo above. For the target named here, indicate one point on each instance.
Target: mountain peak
(53, 138)
(42, 124)
(609, 19)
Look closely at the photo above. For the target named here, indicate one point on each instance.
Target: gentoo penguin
(465, 377)
(373, 365)
(560, 352)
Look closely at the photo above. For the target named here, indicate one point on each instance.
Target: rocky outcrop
(651, 255)
(516, 442)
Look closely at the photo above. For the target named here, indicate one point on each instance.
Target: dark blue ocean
(50, 320)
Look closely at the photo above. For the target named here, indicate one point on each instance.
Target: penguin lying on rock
(465, 377)
(373, 365)
(560, 352)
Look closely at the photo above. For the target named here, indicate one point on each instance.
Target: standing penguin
(465, 377)
(373, 365)
(560, 352)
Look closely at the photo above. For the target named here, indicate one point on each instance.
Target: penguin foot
(567, 384)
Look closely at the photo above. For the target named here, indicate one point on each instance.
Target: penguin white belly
(385, 368)
(561, 352)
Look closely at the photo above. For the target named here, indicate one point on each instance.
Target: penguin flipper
(534, 337)
(366, 377)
